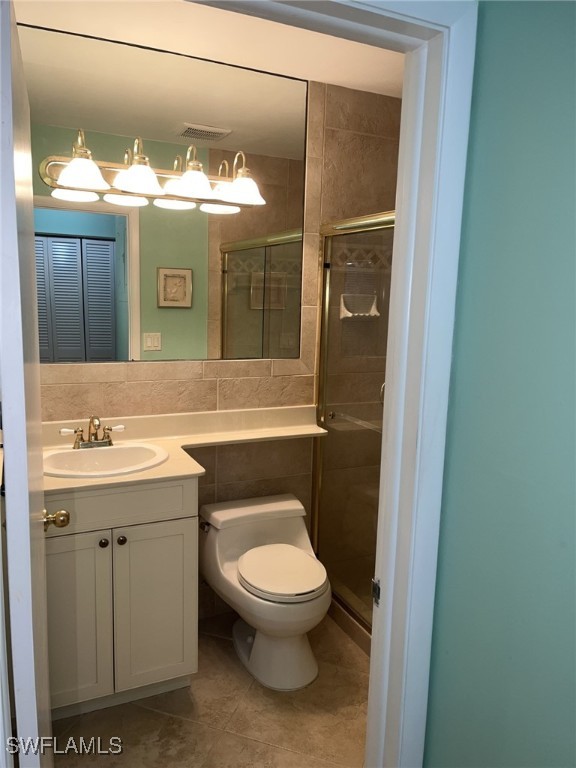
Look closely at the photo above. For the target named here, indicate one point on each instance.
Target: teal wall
(503, 681)
(167, 239)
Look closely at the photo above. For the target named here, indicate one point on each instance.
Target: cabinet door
(80, 630)
(155, 602)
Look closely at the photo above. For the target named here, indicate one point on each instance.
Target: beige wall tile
(272, 458)
(164, 371)
(71, 401)
(362, 112)
(316, 109)
(368, 165)
(307, 361)
(311, 270)
(81, 373)
(230, 369)
(312, 197)
(265, 392)
(136, 398)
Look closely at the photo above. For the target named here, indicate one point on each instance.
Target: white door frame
(439, 40)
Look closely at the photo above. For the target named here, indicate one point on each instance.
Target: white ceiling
(102, 86)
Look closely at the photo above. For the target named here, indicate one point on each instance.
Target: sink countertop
(189, 430)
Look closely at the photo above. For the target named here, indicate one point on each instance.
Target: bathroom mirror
(116, 92)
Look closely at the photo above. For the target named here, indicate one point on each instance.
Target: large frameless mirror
(120, 282)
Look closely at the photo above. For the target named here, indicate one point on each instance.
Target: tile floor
(228, 720)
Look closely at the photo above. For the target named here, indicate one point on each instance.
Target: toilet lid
(282, 573)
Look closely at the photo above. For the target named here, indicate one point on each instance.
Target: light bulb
(126, 200)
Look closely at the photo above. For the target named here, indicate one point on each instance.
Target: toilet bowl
(257, 556)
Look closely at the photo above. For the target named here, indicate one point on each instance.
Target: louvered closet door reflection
(43, 295)
(66, 299)
(98, 268)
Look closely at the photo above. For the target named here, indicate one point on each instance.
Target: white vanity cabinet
(122, 597)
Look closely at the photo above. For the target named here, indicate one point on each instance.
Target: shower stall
(357, 270)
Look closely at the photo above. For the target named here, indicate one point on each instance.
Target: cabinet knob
(60, 519)
(103, 543)
(121, 540)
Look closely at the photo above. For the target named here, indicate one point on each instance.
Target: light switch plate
(152, 342)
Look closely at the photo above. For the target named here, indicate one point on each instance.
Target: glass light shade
(75, 195)
(220, 209)
(83, 173)
(139, 179)
(126, 200)
(245, 190)
(175, 205)
(195, 184)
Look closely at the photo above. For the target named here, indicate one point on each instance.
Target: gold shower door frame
(357, 225)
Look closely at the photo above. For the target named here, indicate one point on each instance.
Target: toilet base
(280, 663)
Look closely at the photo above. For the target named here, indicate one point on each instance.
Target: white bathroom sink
(103, 461)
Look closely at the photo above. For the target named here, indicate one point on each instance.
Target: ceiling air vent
(205, 132)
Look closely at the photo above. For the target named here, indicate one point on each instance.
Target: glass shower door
(355, 332)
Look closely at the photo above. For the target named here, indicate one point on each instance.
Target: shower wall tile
(350, 446)
(354, 387)
(311, 270)
(348, 513)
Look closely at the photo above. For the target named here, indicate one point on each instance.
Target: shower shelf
(358, 306)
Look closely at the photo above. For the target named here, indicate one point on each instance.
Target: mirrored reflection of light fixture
(194, 182)
(221, 192)
(126, 200)
(75, 195)
(134, 183)
(82, 172)
(173, 187)
(139, 178)
(243, 188)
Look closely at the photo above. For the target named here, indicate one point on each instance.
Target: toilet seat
(282, 573)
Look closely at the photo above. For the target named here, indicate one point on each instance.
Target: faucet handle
(107, 430)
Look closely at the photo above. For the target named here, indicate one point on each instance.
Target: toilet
(257, 556)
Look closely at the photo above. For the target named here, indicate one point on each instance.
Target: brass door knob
(60, 518)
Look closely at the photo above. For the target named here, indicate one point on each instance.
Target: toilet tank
(237, 526)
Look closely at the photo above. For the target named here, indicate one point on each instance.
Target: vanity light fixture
(82, 172)
(221, 192)
(134, 183)
(194, 182)
(174, 187)
(128, 201)
(138, 178)
(244, 189)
